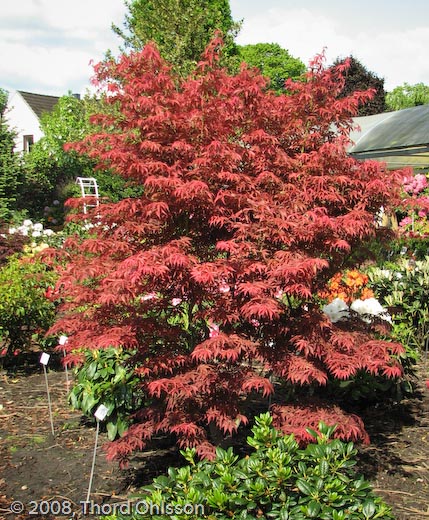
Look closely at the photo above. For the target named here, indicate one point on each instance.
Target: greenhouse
(398, 138)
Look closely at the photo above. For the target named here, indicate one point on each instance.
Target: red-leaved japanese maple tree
(250, 204)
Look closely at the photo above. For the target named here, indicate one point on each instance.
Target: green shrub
(104, 379)
(404, 288)
(278, 480)
(11, 176)
(10, 244)
(25, 311)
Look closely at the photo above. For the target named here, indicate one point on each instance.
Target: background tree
(10, 165)
(51, 170)
(212, 276)
(180, 28)
(3, 102)
(273, 61)
(358, 78)
(407, 96)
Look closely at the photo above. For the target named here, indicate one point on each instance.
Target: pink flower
(415, 184)
(278, 294)
(405, 222)
(176, 301)
(213, 329)
(224, 288)
(427, 384)
(255, 323)
(3, 352)
(149, 296)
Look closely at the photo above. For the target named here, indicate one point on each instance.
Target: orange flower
(366, 294)
(343, 296)
(350, 282)
(348, 286)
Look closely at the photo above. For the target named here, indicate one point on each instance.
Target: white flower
(224, 288)
(336, 310)
(385, 273)
(23, 230)
(149, 296)
(27, 223)
(48, 232)
(38, 227)
(213, 329)
(370, 307)
(36, 234)
(12, 231)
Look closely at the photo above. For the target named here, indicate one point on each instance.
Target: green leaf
(112, 429)
(91, 370)
(304, 487)
(313, 509)
(122, 426)
(88, 403)
(162, 482)
(312, 432)
(324, 468)
(369, 509)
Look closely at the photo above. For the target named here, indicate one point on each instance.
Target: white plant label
(101, 412)
(63, 340)
(44, 358)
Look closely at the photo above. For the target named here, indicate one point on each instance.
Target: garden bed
(35, 466)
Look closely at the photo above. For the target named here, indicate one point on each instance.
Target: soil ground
(37, 466)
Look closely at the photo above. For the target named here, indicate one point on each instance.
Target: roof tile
(39, 103)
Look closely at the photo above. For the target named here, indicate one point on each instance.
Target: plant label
(44, 358)
(101, 412)
(63, 340)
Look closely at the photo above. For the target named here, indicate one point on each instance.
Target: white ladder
(88, 189)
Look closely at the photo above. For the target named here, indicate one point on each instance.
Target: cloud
(76, 15)
(46, 45)
(71, 66)
(398, 55)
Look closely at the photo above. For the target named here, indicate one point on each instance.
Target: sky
(46, 46)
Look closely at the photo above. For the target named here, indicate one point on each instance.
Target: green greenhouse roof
(398, 138)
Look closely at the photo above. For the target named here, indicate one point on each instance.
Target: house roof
(398, 138)
(39, 103)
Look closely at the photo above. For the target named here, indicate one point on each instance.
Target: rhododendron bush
(250, 206)
(415, 203)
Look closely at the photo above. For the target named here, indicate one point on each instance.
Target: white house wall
(22, 120)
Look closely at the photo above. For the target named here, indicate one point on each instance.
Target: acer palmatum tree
(250, 205)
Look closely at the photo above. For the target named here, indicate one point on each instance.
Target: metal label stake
(44, 360)
(100, 415)
(62, 341)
